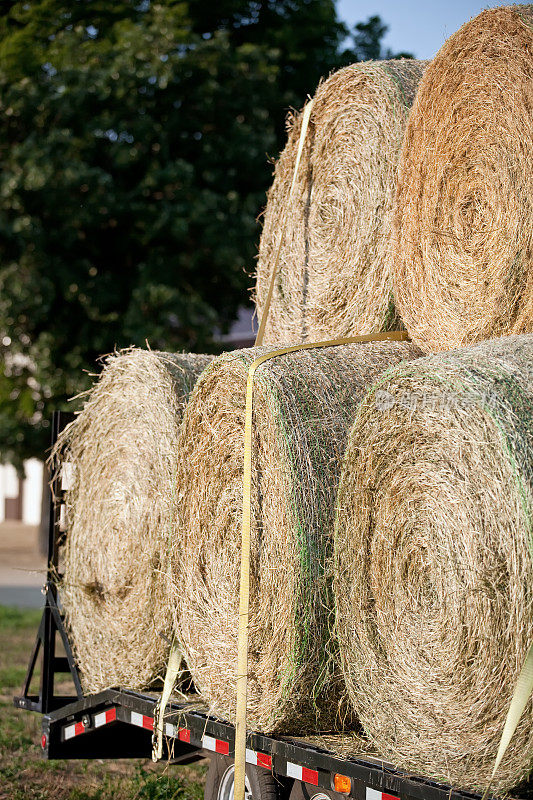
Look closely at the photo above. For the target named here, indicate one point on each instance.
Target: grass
(24, 775)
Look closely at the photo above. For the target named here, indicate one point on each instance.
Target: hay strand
(123, 450)
(433, 562)
(462, 249)
(332, 278)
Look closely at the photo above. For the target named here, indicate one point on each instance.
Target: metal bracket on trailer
(52, 620)
(106, 726)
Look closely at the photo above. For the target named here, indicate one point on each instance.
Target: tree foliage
(367, 42)
(134, 138)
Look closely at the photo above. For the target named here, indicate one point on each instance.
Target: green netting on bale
(304, 403)
(433, 561)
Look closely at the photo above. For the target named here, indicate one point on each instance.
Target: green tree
(367, 40)
(134, 138)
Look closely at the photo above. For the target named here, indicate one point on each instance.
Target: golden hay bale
(123, 451)
(303, 405)
(462, 249)
(433, 561)
(333, 278)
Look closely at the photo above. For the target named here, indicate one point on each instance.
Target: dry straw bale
(462, 254)
(303, 405)
(333, 278)
(433, 561)
(123, 448)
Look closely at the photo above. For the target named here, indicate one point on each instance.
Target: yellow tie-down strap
(244, 592)
(173, 670)
(522, 693)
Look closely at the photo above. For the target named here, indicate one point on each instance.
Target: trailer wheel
(304, 791)
(260, 783)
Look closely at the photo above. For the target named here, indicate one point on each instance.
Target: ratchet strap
(266, 308)
(519, 700)
(244, 591)
(173, 669)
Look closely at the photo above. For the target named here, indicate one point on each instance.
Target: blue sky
(414, 25)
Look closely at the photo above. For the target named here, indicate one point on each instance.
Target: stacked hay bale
(462, 249)
(333, 276)
(433, 561)
(304, 403)
(123, 453)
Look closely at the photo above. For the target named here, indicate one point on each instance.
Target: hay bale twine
(303, 405)
(123, 451)
(433, 561)
(462, 249)
(333, 277)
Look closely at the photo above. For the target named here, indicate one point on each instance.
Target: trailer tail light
(44, 741)
(342, 783)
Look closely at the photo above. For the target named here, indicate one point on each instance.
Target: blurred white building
(20, 498)
(242, 333)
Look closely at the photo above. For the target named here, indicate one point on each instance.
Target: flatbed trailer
(119, 723)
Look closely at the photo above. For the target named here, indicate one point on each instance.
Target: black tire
(304, 791)
(261, 784)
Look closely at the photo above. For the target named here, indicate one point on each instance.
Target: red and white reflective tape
(183, 734)
(102, 718)
(70, 731)
(105, 717)
(373, 794)
(259, 759)
(215, 745)
(302, 773)
(142, 721)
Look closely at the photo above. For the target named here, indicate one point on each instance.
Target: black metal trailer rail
(118, 723)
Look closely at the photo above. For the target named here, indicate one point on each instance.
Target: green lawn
(24, 775)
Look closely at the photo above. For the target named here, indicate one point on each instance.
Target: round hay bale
(303, 405)
(333, 279)
(123, 451)
(433, 561)
(462, 248)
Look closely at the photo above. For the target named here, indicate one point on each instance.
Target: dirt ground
(21, 564)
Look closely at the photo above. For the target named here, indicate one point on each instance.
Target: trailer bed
(119, 723)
